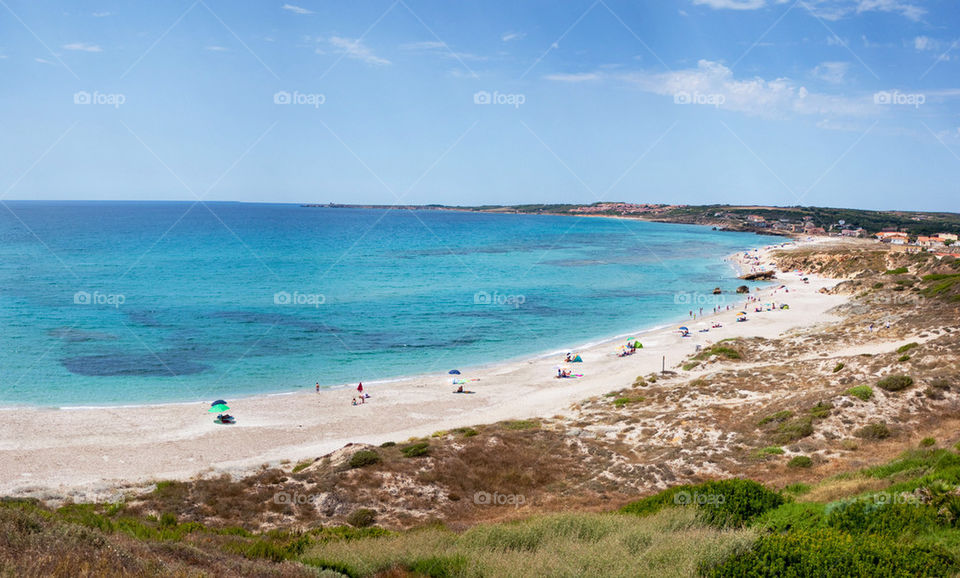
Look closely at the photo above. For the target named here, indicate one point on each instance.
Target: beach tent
(577, 359)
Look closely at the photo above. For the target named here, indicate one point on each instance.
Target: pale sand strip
(86, 452)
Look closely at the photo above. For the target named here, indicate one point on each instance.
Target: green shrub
(690, 365)
(797, 489)
(863, 392)
(881, 514)
(897, 271)
(838, 367)
(791, 516)
(388, 444)
(878, 285)
(622, 401)
(769, 451)
(821, 410)
(907, 347)
(416, 450)
(467, 432)
(441, 566)
(928, 442)
(895, 382)
(794, 430)
(903, 358)
(302, 466)
(364, 458)
(362, 517)
(721, 504)
(830, 553)
(521, 424)
(874, 431)
(720, 351)
(800, 462)
(778, 417)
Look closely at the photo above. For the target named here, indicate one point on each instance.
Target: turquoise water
(120, 303)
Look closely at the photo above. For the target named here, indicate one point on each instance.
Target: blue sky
(850, 103)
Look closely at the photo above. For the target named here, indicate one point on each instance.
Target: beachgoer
(354, 401)
(318, 387)
(460, 389)
(559, 373)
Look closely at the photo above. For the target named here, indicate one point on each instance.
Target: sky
(843, 103)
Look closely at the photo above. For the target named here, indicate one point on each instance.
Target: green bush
(721, 504)
(416, 450)
(622, 401)
(769, 451)
(897, 271)
(778, 417)
(903, 358)
(362, 517)
(907, 347)
(838, 367)
(874, 431)
(388, 444)
(794, 430)
(467, 432)
(441, 566)
(881, 514)
(302, 466)
(791, 516)
(364, 458)
(800, 462)
(821, 410)
(829, 553)
(928, 442)
(895, 382)
(720, 351)
(521, 424)
(863, 392)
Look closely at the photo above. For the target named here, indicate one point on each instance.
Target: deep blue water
(116, 303)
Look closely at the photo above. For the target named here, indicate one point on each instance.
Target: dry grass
(670, 543)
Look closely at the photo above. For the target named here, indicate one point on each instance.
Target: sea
(124, 303)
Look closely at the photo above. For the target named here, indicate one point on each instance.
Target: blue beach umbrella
(454, 372)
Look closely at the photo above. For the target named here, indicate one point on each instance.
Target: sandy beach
(86, 453)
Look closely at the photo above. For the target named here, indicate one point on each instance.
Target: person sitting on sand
(567, 358)
(354, 401)
(559, 374)
(459, 389)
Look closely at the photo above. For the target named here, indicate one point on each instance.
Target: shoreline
(91, 453)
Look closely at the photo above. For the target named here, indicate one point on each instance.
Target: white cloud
(832, 72)
(575, 77)
(508, 36)
(101, 14)
(42, 61)
(440, 49)
(354, 48)
(713, 82)
(216, 48)
(923, 43)
(732, 4)
(82, 47)
(827, 9)
(296, 9)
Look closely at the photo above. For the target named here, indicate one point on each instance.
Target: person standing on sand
(318, 387)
